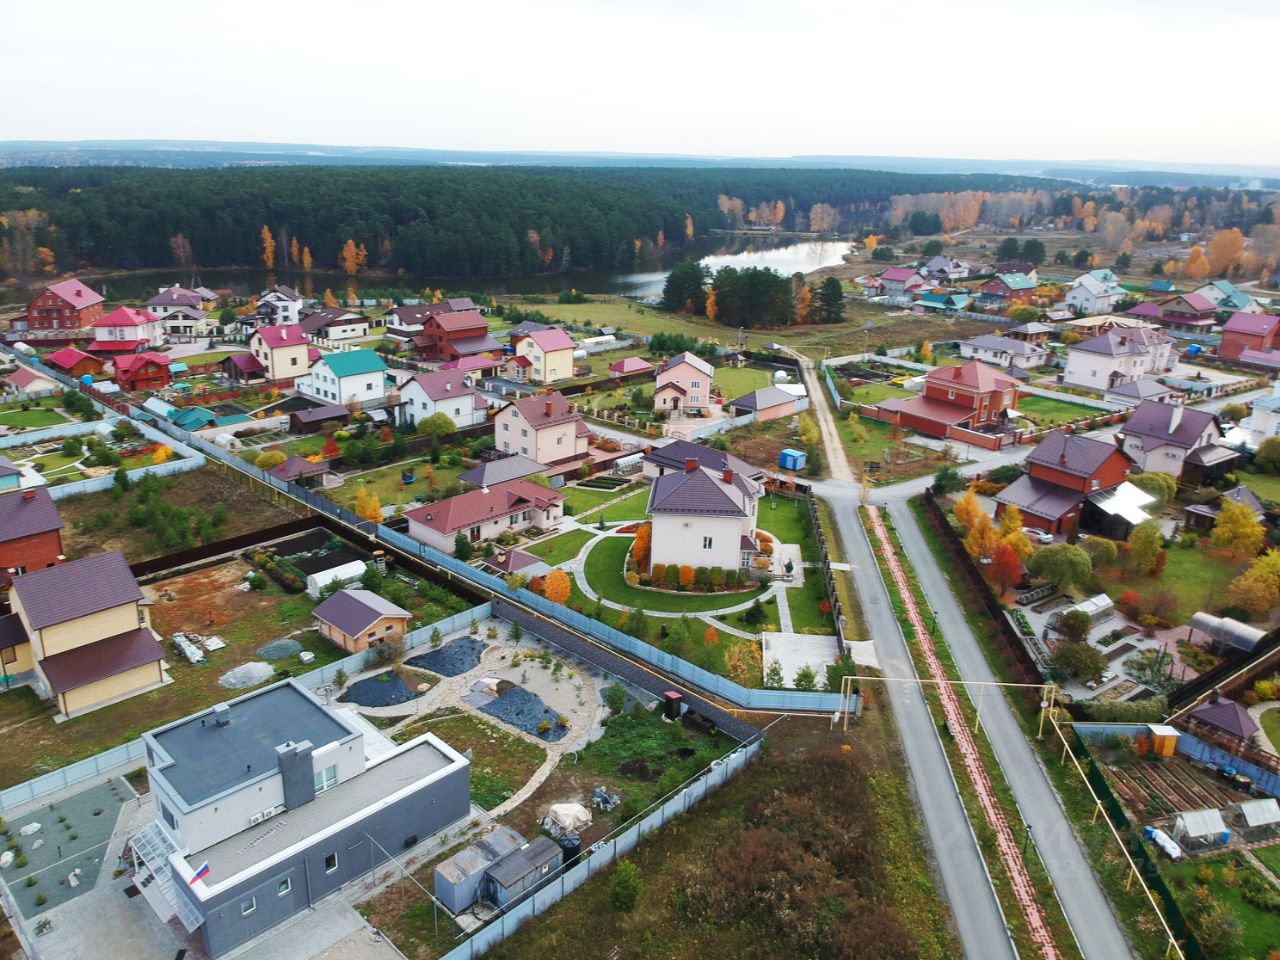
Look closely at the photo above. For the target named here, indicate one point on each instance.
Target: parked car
(1037, 536)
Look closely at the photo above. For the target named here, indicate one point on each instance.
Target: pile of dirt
(280, 649)
(247, 675)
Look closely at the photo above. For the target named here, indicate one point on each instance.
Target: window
(695, 384)
(524, 432)
(368, 387)
(283, 887)
(951, 394)
(559, 441)
(248, 906)
(169, 818)
(327, 778)
(506, 428)
(330, 862)
(1093, 484)
(506, 447)
(706, 543)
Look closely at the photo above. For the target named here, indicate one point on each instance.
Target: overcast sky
(1171, 80)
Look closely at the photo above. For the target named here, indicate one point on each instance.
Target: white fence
(707, 429)
(1026, 388)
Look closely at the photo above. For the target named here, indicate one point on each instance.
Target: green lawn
(1052, 413)
(385, 482)
(873, 393)
(585, 499)
(1260, 928)
(604, 574)
(872, 447)
(804, 603)
(35, 417)
(1271, 727)
(1197, 580)
(1270, 855)
(734, 382)
(559, 549)
(212, 356)
(789, 522)
(632, 507)
(1265, 485)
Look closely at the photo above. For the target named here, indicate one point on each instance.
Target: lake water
(785, 255)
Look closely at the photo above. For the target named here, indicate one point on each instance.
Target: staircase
(154, 848)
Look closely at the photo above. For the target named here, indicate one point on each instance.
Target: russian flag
(201, 873)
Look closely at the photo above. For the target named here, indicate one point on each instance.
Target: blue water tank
(1225, 838)
(86, 380)
(1148, 832)
(1195, 349)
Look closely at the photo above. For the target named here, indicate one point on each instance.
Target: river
(786, 255)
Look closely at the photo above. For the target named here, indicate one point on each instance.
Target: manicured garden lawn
(1265, 485)
(559, 549)
(35, 417)
(603, 569)
(788, 521)
(804, 603)
(873, 393)
(736, 381)
(1198, 581)
(303, 446)
(1271, 727)
(213, 356)
(584, 499)
(631, 507)
(1051, 413)
(1260, 928)
(501, 762)
(385, 482)
(1270, 855)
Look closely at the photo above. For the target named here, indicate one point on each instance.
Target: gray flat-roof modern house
(269, 802)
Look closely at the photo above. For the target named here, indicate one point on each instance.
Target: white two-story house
(1177, 439)
(1116, 357)
(356, 375)
(704, 517)
(1091, 294)
(448, 392)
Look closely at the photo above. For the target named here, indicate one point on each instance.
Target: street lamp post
(1026, 840)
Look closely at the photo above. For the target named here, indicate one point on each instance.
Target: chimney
(221, 715)
(548, 407)
(28, 494)
(690, 465)
(728, 475)
(1175, 416)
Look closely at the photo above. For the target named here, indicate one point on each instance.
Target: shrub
(702, 578)
(544, 726)
(615, 698)
(626, 886)
(658, 572)
(672, 576)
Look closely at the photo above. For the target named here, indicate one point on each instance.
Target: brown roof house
(486, 514)
(85, 632)
(1172, 438)
(359, 619)
(683, 383)
(704, 517)
(547, 429)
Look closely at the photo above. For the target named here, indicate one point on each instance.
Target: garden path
(1256, 711)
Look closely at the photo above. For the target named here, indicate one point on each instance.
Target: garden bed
(526, 711)
(454, 658)
(383, 690)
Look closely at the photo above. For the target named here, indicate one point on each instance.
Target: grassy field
(734, 382)
(806, 617)
(212, 356)
(1271, 727)
(501, 762)
(632, 507)
(873, 393)
(788, 521)
(877, 438)
(1198, 581)
(35, 417)
(1260, 928)
(603, 569)
(385, 482)
(1052, 413)
(1265, 485)
(585, 499)
(559, 549)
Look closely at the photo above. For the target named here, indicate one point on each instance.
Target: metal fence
(81, 771)
(600, 856)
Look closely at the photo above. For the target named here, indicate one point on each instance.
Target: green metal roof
(353, 362)
(1017, 281)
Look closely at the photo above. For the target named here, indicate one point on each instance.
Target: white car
(1038, 536)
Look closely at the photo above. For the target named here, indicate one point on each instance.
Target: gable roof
(478, 506)
(75, 293)
(129, 362)
(1196, 301)
(899, 273)
(286, 335)
(1123, 343)
(76, 589)
(975, 375)
(1144, 388)
(1033, 328)
(97, 661)
(990, 341)
(24, 377)
(630, 365)
(547, 410)
(296, 466)
(1153, 421)
(554, 339)
(26, 513)
(1071, 453)
(1160, 286)
(1094, 286)
(442, 385)
(692, 359)
(513, 561)
(1252, 324)
(1148, 308)
(453, 321)
(469, 346)
(281, 290)
(175, 297)
(68, 357)
(1016, 281)
(246, 363)
(489, 473)
(355, 611)
(526, 327)
(124, 317)
(763, 399)
(326, 316)
(351, 363)
(703, 492)
(1039, 498)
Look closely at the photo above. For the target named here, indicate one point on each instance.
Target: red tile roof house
(1248, 331)
(486, 514)
(548, 429)
(74, 363)
(142, 371)
(359, 619)
(30, 532)
(450, 336)
(66, 305)
(32, 381)
(126, 330)
(1172, 438)
(630, 365)
(972, 396)
(1064, 470)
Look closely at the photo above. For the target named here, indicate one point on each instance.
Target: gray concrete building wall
(287, 887)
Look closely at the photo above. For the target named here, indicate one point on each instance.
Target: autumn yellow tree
(556, 586)
(362, 502)
(1010, 520)
(983, 539)
(742, 662)
(871, 243)
(1224, 251)
(348, 259)
(161, 454)
(712, 307)
(1238, 529)
(437, 296)
(374, 509)
(329, 299)
(295, 256)
(967, 509)
(804, 305)
(306, 259)
(926, 352)
(1196, 266)
(779, 212)
(362, 258)
(268, 248)
(45, 258)
(352, 299)
(688, 227)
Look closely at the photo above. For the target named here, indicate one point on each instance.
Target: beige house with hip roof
(550, 355)
(547, 429)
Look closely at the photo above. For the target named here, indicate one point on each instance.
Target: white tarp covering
(565, 818)
(1165, 843)
(1125, 501)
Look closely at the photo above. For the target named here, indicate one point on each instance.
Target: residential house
(74, 363)
(524, 328)
(970, 396)
(313, 418)
(359, 619)
(1133, 392)
(1226, 296)
(455, 334)
(28, 380)
(279, 305)
(1248, 331)
(30, 529)
(1176, 439)
(1004, 351)
(334, 323)
(944, 269)
(630, 366)
(209, 299)
(355, 375)
(142, 371)
(767, 403)
(1102, 275)
(482, 366)
(942, 302)
(1006, 288)
(1033, 332)
(676, 456)
(174, 297)
(1202, 516)
(704, 518)
(1262, 422)
(902, 282)
(188, 323)
(1116, 357)
(547, 429)
(270, 803)
(1090, 295)
(127, 330)
(550, 356)
(300, 470)
(490, 473)
(407, 320)
(1024, 267)
(65, 305)
(88, 633)
(683, 383)
(1064, 471)
(1148, 310)
(446, 392)
(1159, 288)
(1189, 311)
(282, 351)
(486, 514)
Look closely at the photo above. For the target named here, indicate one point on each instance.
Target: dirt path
(837, 460)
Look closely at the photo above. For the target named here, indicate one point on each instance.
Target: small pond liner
(524, 710)
(376, 691)
(280, 649)
(454, 658)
